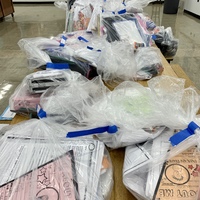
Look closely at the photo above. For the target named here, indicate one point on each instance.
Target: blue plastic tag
(184, 134)
(63, 40)
(41, 113)
(122, 11)
(82, 39)
(99, 130)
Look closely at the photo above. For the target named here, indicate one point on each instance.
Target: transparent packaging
(22, 101)
(138, 112)
(71, 102)
(58, 52)
(124, 27)
(166, 41)
(149, 63)
(116, 60)
(159, 170)
(43, 164)
(33, 49)
(26, 96)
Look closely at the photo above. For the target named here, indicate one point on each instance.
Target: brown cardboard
(180, 177)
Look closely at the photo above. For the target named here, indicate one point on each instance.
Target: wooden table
(119, 191)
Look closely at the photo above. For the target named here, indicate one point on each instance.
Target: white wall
(192, 6)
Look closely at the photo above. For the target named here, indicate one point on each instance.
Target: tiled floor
(46, 20)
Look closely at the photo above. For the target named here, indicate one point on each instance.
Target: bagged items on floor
(166, 42)
(160, 170)
(37, 158)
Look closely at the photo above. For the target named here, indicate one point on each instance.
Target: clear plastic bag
(178, 105)
(117, 61)
(46, 53)
(26, 97)
(42, 164)
(145, 22)
(22, 101)
(166, 42)
(149, 63)
(125, 27)
(161, 170)
(61, 4)
(80, 15)
(139, 113)
(33, 49)
(71, 102)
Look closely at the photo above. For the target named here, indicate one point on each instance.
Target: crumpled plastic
(43, 163)
(140, 113)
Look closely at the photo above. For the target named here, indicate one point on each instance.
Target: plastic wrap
(58, 52)
(149, 63)
(166, 42)
(27, 95)
(40, 81)
(160, 170)
(139, 113)
(145, 22)
(43, 164)
(22, 101)
(71, 102)
(178, 105)
(80, 15)
(125, 27)
(33, 49)
(117, 60)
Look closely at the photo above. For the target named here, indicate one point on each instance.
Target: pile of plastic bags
(62, 154)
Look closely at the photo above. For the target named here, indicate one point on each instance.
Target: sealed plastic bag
(43, 164)
(27, 95)
(46, 53)
(22, 101)
(178, 105)
(71, 102)
(79, 16)
(117, 61)
(149, 63)
(132, 104)
(137, 111)
(162, 170)
(33, 49)
(145, 22)
(125, 27)
(166, 42)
